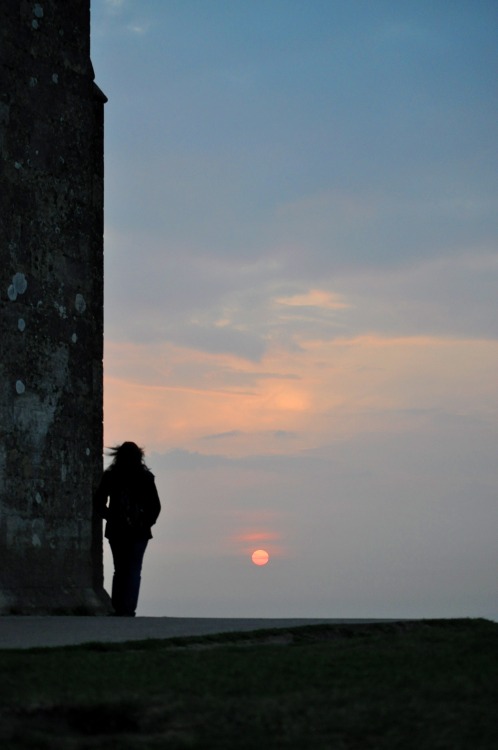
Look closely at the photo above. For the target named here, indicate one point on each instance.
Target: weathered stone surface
(51, 309)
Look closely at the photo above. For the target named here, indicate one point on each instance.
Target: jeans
(128, 555)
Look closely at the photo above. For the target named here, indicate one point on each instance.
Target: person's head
(127, 457)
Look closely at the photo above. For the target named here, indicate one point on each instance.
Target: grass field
(428, 685)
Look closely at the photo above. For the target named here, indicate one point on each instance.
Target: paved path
(34, 631)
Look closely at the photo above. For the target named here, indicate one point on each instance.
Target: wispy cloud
(340, 387)
(115, 5)
(223, 435)
(125, 10)
(138, 28)
(315, 298)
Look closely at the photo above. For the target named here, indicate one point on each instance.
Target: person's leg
(128, 556)
(137, 551)
(118, 594)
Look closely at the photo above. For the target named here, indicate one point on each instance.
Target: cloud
(223, 435)
(115, 6)
(230, 308)
(111, 16)
(340, 388)
(314, 298)
(387, 228)
(137, 28)
(235, 434)
(447, 297)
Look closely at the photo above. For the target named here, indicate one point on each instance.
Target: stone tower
(51, 309)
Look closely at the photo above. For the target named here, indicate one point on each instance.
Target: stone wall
(51, 309)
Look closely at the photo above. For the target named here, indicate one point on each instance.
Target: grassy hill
(425, 685)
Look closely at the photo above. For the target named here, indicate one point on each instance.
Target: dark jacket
(133, 503)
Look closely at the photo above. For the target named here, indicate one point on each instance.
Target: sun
(260, 557)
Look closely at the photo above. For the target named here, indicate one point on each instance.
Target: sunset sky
(301, 307)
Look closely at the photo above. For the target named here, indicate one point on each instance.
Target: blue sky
(301, 308)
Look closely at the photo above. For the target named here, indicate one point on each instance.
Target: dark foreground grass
(427, 685)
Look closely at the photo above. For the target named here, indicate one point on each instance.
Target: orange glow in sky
(327, 387)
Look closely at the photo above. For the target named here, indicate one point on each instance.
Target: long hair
(128, 458)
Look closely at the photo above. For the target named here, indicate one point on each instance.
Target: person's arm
(100, 497)
(153, 504)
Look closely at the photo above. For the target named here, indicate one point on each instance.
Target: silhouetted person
(133, 508)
